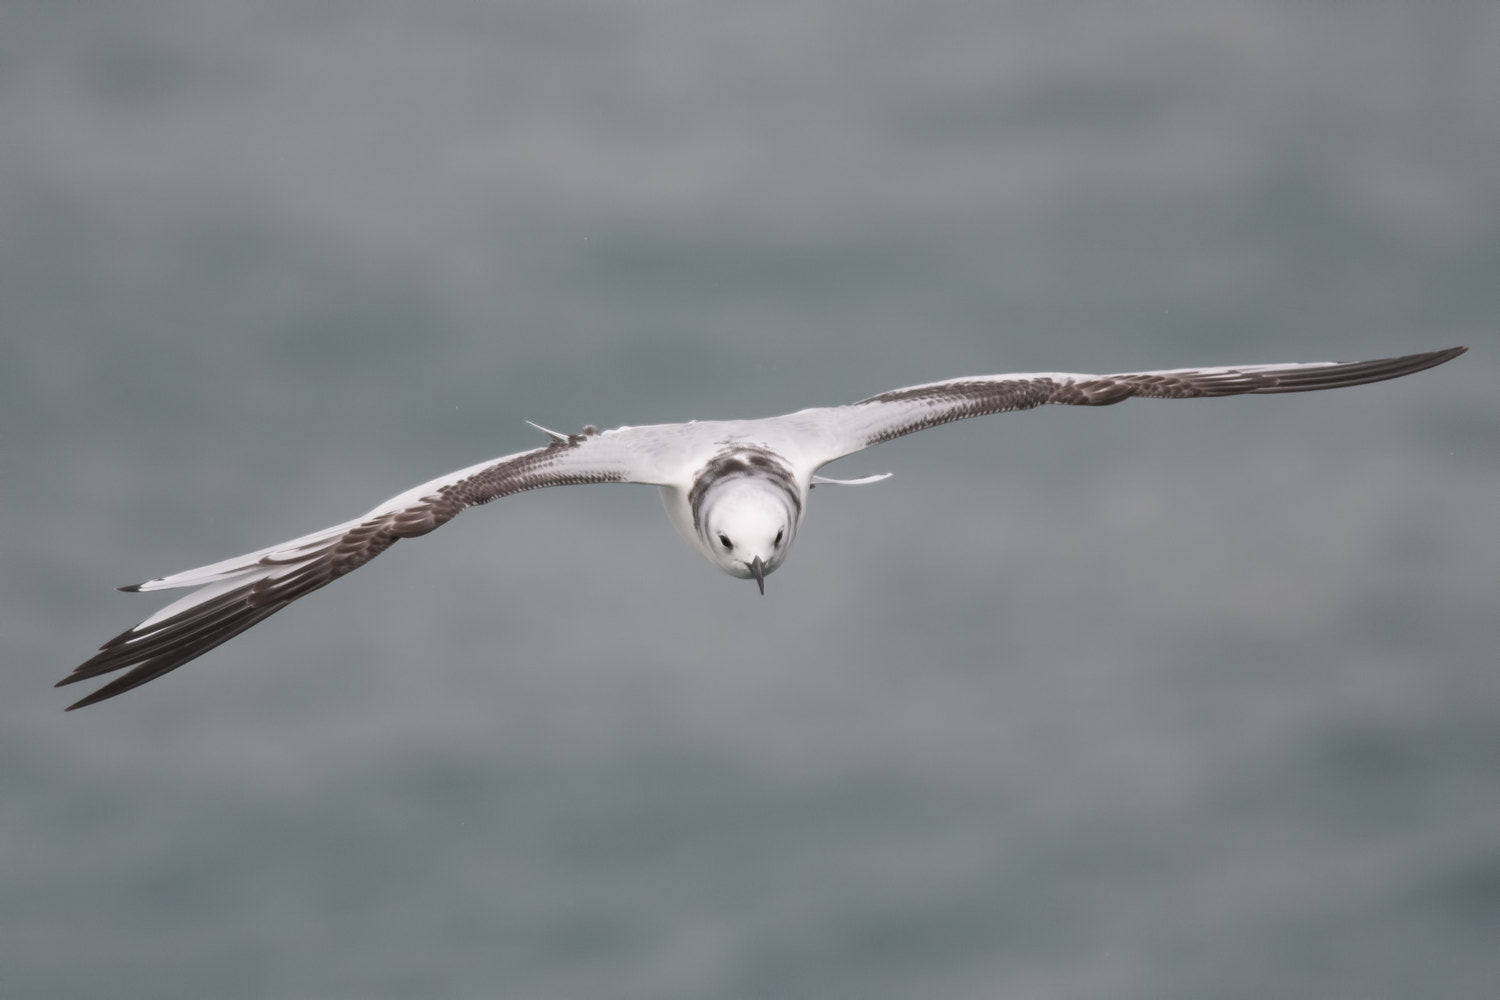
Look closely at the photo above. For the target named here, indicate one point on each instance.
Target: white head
(746, 528)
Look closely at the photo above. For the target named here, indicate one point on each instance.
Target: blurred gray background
(1170, 700)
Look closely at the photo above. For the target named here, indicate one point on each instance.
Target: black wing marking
(905, 411)
(240, 592)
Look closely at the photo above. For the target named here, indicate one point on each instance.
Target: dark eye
(724, 541)
(778, 536)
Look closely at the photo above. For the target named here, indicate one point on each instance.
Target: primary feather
(736, 490)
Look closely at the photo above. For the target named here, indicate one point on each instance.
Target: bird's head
(747, 529)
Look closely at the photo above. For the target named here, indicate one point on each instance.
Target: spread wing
(903, 411)
(237, 593)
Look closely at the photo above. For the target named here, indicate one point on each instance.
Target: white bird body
(737, 490)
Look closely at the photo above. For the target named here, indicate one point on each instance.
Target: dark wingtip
(73, 678)
(90, 700)
(131, 588)
(1446, 355)
(1435, 358)
(77, 675)
(87, 700)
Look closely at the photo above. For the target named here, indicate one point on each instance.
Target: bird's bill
(758, 570)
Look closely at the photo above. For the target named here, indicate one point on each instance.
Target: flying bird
(735, 489)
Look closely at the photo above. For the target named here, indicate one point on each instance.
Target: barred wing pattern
(905, 411)
(240, 592)
(685, 459)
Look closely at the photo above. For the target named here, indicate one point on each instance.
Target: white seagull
(735, 489)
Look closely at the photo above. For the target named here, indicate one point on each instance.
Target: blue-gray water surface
(1168, 700)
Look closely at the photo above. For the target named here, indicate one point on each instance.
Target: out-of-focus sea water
(1170, 700)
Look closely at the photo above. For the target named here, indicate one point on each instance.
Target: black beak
(758, 570)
